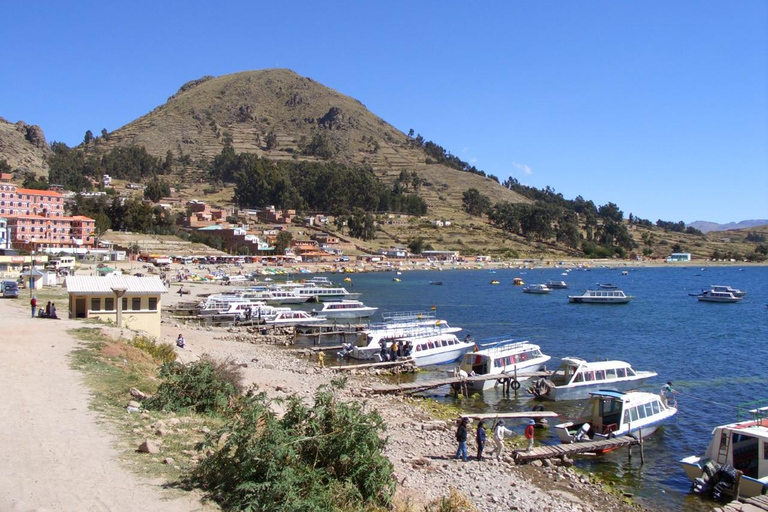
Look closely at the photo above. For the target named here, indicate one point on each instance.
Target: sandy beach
(56, 455)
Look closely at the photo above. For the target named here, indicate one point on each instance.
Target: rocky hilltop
(23, 147)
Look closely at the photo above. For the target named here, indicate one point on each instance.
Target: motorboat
(718, 296)
(611, 414)
(539, 289)
(321, 293)
(503, 357)
(437, 348)
(292, 317)
(518, 281)
(345, 309)
(723, 288)
(743, 446)
(397, 325)
(495, 281)
(601, 296)
(575, 378)
(557, 285)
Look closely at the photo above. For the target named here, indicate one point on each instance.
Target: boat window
(445, 343)
(765, 451)
(579, 378)
(621, 372)
(630, 372)
(431, 344)
(633, 414)
(418, 348)
(655, 407)
(600, 375)
(648, 409)
(610, 374)
(626, 416)
(745, 457)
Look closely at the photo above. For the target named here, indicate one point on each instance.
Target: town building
(679, 256)
(5, 235)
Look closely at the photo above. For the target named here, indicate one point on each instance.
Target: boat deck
(556, 451)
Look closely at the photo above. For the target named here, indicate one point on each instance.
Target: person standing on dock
(481, 436)
(461, 437)
(529, 432)
(499, 432)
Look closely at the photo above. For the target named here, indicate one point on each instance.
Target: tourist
(481, 436)
(33, 304)
(180, 341)
(498, 439)
(393, 351)
(461, 437)
(52, 312)
(321, 359)
(529, 432)
(383, 351)
(48, 310)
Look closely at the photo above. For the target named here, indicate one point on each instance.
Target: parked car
(10, 289)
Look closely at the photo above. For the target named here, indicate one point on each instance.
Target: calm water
(715, 354)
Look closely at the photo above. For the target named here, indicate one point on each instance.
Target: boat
(728, 289)
(396, 279)
(602, 296)
(576, 378)
(321, 293)
(397, 325)
(518, 281)
(495, 281)
(437, 348)
(540, 289)
(503, 357)
(557, 285)
(345, 309)
(743, 446)
(715, 296)
(436, 283)
(611, 414)
(292, 317)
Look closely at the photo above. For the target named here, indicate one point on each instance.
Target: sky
(659, 106)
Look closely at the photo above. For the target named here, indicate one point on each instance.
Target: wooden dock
(558, 451)
(754, 504)
(415, 387)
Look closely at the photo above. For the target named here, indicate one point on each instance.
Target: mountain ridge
(707, 226)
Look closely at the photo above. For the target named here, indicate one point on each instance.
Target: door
(80, 311)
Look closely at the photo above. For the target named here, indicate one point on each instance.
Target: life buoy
(515, 384)
(502, 381)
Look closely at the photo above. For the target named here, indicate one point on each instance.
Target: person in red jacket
(529, 434)
(33, 303)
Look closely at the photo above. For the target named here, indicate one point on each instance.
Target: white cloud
(522, 167)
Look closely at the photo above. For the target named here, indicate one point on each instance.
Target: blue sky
(658, 106)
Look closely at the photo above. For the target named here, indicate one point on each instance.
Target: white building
(5, 235)
(679, 256)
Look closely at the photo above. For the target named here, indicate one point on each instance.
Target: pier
(754, 504)
(415, 387)
(559, 451)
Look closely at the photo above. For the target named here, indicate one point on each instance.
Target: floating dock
(557, 451)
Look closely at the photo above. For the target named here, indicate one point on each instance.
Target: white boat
(715, 296)
(505, 358)
(241, 310)
(274, 297)
(291, 317)
(324, 293)
(397, 325)
(576, 378)
(742, 445)
(438, 348)
(220, 303)
(601, 296)
(557, 285)
(614, 414)
(540, 289)
(728, 289)
(345, 309)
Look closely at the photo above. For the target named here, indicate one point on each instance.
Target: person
(529, 432)
(667, 392)
(480, 438)
(393, 351)
(180, 341)
(499, 432)
(52, 312)
(461, 437)
(33, 304)
(181, 290)
(321, 359)
(407, 348)
(383, 351)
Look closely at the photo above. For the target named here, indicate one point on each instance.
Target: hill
(706, 226)
(23, 147)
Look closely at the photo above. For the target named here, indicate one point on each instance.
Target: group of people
(49, 312)
(398, 348)
(500, 431)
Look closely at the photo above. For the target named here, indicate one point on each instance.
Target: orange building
(36, 220)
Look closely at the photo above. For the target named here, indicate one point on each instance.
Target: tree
(157, 189)
(104, 134)
(283, 241)
(271, 140)
(410, 133)
(4, 166)
(416, 245)
(475, 203)
(88, 137)
(610, 211)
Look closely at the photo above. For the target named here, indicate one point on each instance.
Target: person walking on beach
(461, 437)
(33, 304)
(529, 432)
(498, 439)
(480, 439)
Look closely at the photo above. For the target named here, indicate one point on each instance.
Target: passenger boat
(345, 309)
(518, 281)
(218, 304)
(291, 317)
(495, 281)
(614, 414)
(437, 348)
(540, 289)
(576, 378)
(557, 285)
(505, 358)
(728, 289)
(397, 325)
(321, 293)
(601, 296)
(715, 296)
(742, 445)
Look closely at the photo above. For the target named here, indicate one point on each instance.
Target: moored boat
(742, 446)
(291, 316)
(614, 414)
(505, 358)
(345, 309)
(539, 289)
(718, 296)
(576, 378)
(601, 296)
(437, 349)
(518, 281)
(722, 288)
(556, 285)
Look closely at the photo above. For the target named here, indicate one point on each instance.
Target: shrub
(159, 351)
(204, 386)
(456, 502)
(324, 457)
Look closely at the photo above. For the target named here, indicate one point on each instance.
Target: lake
(714, 354)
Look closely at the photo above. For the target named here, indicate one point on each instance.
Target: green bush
(319, 458)
(159, 351)
(205, 386)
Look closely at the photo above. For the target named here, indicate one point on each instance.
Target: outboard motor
(726, 480)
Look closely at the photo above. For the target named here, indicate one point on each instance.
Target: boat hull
(523, 373)
(443, 357)
(599, 300)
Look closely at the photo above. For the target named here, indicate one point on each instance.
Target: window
(95, 304)
(633, 414)
(125, 304)
(109, 304)
(136, 303)
(153, 303)
(655, 407)
(648, 409)
(610, 374)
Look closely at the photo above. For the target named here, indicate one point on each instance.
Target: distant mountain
(706, 226)
(23, 147)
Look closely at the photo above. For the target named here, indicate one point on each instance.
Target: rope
(711, 402)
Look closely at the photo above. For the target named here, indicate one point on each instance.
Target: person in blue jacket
(480, 439)
(461, 437)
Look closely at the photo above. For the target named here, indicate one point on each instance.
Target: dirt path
(54, 456)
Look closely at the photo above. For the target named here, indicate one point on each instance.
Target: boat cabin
(575, 370)
(497, 359)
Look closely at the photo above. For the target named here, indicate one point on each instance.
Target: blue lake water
(714, 354)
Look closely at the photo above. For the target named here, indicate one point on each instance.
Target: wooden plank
(399, 362)
(512, 415)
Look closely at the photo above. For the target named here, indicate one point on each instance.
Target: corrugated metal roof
(133, 285)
